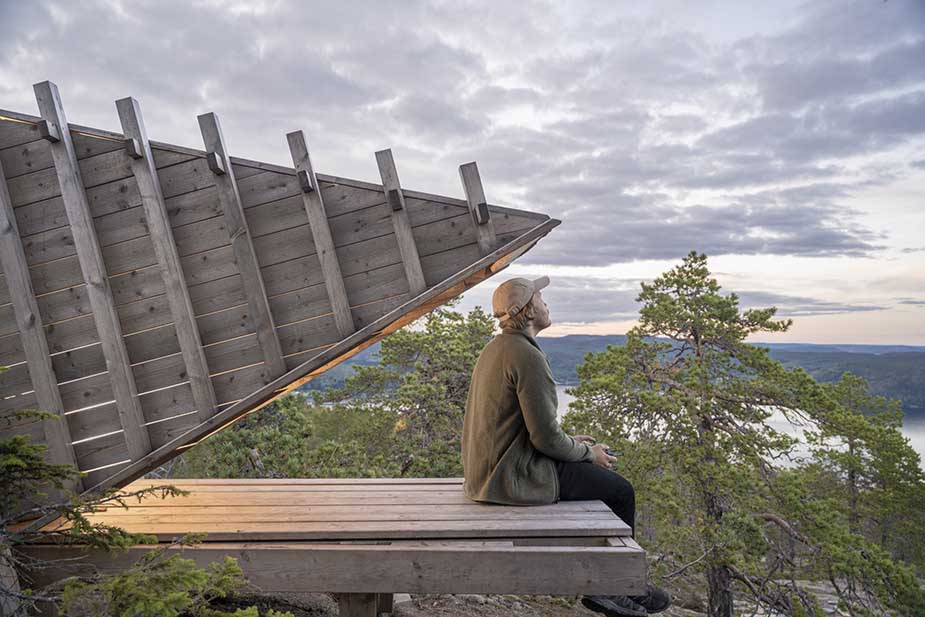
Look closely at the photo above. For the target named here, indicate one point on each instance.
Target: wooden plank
(419, 567)
(11, 349)
(321, 234)
(402, 529)
(251, 511)
(94, 272)
(181, 308)
(245, 256)
(14, 133)
(209, 483)
(478, 207)
(103, 450)
(32, 336)
(36, 155)
(406, 244)
(281, 497)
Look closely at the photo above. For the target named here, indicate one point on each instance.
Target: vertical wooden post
(356, 604)
(406, 245)
(32, 335)
(167, 256)
(478, 207)
(384, 603)
(321, 234)
(243, 248)
(94, 271)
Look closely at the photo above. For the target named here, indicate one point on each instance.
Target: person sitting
(514, 451)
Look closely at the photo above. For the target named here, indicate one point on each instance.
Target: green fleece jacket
(511, 436)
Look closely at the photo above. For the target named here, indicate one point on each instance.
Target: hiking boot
(655, 600)
(614, 606)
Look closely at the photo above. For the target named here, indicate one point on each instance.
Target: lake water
(915, 431)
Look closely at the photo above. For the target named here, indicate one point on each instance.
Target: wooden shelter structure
(153, 294)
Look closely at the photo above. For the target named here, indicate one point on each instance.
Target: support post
(94, 272)
(165, 249)
(32, 335)
(384, 603)
(356, 604)
(406, 245)
(241, 244)
(478, 207)
(321, 234)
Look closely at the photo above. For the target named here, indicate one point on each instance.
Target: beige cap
(512, 296)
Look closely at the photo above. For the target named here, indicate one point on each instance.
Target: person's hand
(601, 458)
(585, 439)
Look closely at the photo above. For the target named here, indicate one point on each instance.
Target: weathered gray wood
(478, 207)
(166, 250)
(402, 315)
(32, 336)
(94, 273)
(245, 256)
(423, 566)
(321, 233)
(403, 234)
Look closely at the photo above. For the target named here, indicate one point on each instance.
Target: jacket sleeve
(536, 393)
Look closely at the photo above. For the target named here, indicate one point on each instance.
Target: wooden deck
(382, 536)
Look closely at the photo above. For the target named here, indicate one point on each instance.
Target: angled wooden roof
(151, 294)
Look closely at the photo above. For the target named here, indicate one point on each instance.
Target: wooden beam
(94, 272)
(32, 336)
(478, 207)
(161, 233)
(243, 247)
(424, 566)
(321, 234)
(409, 250)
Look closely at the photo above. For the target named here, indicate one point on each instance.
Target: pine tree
(691, 408)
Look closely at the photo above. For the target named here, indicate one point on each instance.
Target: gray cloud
(797, 306)
(589, 300)
(912, 302)
(607, 119)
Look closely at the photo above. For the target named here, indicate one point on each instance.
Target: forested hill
(895, 371)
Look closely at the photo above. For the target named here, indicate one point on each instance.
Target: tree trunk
(720, 591)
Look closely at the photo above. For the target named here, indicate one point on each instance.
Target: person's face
(541, 318)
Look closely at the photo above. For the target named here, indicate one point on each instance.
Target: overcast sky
(786, 140)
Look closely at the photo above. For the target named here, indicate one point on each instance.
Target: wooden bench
(365, 539)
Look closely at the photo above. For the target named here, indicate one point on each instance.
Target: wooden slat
(346, 514)
(94, 272)
(406, 243)
(32, 336)
(166, 250)
(403, 529)
(475, 197)
(330, 497)
(321, 234)
(245, 257)
(14, 133)
(209, 483)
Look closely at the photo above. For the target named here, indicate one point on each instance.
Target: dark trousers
(584, 481)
